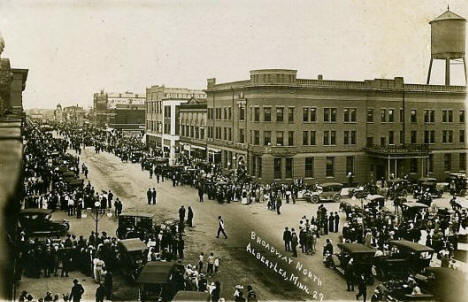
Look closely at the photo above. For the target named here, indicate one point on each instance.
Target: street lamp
(97, 214)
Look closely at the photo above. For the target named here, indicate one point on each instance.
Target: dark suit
(149, 194)
(153, 196)
(76, 292)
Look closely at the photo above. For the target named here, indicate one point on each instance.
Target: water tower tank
(448, 32)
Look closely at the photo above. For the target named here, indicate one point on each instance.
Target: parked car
(134, 224)
(362, 258)
(156, 281)
(131, 256)
(327, 192)
(407, 258)
(39, 222)
(427, 185)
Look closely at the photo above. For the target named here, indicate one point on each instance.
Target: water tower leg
(447, 72)
(429, 73)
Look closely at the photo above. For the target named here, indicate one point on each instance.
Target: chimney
(320, 77)
(211, 82)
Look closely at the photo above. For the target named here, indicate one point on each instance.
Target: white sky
(75, 48)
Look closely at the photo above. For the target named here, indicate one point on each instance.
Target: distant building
(74, 115)
(107, 105)
(58, 114)
(162, 117)
(127, 117)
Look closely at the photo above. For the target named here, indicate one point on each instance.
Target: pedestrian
(100, 293)
(251, 295)
(210, 267)
(153, 195)
(182, 214)
(76, 291)
(110, 196)
(216, 292)
(200, 262)
(362, 288)
(200, 192)
(278, 204)
(294, 242)
(149, 195)
(151, 173)
(181, 247)
(349, 275)
(216, 265)
(190, 217)
(221, 227)
(287, 239)
(337, 221)
(108, 284)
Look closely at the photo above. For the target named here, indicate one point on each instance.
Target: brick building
(162, 117)
(283, 127)
(127, 108)
(193, 128)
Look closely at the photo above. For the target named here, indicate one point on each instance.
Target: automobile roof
(36, 211)
(411, 245)
(415, 205)
(133, 245)
(356, 248)
(329, 184)
(136, 213)
(373, 197)
(191, 296)
(156, 273)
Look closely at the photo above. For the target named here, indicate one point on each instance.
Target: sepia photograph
(248, 150)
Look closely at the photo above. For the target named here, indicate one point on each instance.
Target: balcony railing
(399, 149)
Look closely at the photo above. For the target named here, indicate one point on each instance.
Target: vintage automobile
(156, 281)
(400, 290)
(375, 201)
(327, 192)
(191, 296)
(410, 209)
(427, 185)
(38, 222)
(406, 258)
(445, 284)
(362, 257)
(134, 224)
(461, 182)
(136, 156)
(131, 257)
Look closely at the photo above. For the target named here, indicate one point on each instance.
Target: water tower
(447, 41)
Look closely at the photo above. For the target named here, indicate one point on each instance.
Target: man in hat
(100, 293)
(76, 291)
(221, 227)
(153, 195)
(149, 195)
(287, 239)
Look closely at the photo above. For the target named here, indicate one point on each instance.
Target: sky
(76, 48)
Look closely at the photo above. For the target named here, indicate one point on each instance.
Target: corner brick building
(283, 127)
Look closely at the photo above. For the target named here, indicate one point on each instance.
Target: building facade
(108, 106)
(321, 130)
(162, 117)
(74, 115)
(193, 129)
(58, 114)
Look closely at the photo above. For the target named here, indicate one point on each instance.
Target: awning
(213, 150)
(197, 147)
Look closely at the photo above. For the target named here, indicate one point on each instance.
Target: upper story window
(267, 114)
(349, 115)
(279, 114)
(290, 115)
(391, 115)
(329, 115)
(383, 116)
(447, 116)
(256, 114)
(429, 116)
(462, 116)
(241, 113)
(370, 115)
(413, 116)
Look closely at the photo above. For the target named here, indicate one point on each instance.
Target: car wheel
(337, 197)
(315, 199)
